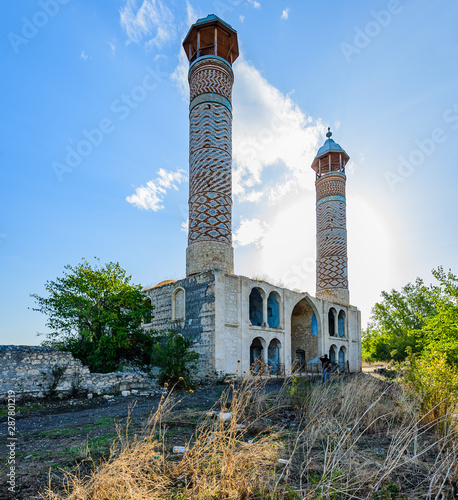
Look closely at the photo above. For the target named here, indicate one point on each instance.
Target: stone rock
(125, 393)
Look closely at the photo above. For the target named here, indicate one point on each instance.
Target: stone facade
(30, 371)
(218, 320)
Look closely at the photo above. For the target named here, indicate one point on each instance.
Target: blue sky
(382, 74)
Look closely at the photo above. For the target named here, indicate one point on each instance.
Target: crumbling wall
(36, 371)
(199, 321)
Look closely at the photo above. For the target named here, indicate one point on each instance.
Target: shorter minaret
(331, 222)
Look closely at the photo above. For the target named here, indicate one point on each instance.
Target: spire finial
(329, 134)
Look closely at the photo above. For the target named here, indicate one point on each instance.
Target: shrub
(434, 381)
(175, 358)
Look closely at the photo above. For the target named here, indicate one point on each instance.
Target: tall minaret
(331, 223)
(211, 47)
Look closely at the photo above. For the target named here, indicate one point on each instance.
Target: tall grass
(357, 437)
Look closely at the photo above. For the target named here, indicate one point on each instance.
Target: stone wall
(33, 370)
(198, 323)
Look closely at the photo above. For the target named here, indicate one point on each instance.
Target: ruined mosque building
(234, 320)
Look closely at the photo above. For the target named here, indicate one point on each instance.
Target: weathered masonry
(234, 320)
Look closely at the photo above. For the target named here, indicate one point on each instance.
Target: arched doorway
(304, 332)
(273, 356)
(342, 359)
(256, 354)
(256, 308)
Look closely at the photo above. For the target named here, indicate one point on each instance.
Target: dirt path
(59, 434)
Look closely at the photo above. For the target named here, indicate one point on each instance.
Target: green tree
(417, 319)
(441, 331)
(175, 358)
(397, 322)
(96, 313)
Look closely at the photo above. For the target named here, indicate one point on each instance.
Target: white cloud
(249, 231)
(242, 18)
(84, 57)
(285, 14)
(180, 75)
(270, 130)
(185, 226)
(113, 48)
(254, 3)
(151, 196)
(152, 22)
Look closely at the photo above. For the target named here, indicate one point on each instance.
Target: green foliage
(96, 313)
(441, 331)
(397, 322)
(415, 320)
(173, 355)
(433, 379)
(390, 492)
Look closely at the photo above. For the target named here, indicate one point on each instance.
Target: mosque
(234, 320)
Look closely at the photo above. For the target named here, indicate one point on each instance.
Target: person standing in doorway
(326, 367)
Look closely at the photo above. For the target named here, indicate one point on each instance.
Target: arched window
(333, 354)
(149, 314)
(256, 313)
(341, 324)
(332, 322)
(178, 305)
(314, 325)
(273, 311)
(342, 359)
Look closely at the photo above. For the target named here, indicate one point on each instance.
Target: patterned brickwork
(331, 238)
(210, 155)
(210, 218)
(210, 75)
(210, 127)
(331, 272)
(332, 184)
(332, 242)
(331, 214)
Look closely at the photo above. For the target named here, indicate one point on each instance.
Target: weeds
(357, 438)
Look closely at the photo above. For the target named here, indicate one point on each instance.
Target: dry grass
(354, 438)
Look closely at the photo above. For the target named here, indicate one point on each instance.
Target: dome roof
(330, 146)
(210, 18)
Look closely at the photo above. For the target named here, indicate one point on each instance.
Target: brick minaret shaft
(211, 47)
(331, 223)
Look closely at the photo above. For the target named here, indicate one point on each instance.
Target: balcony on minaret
(211, 36)
(331, 157)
